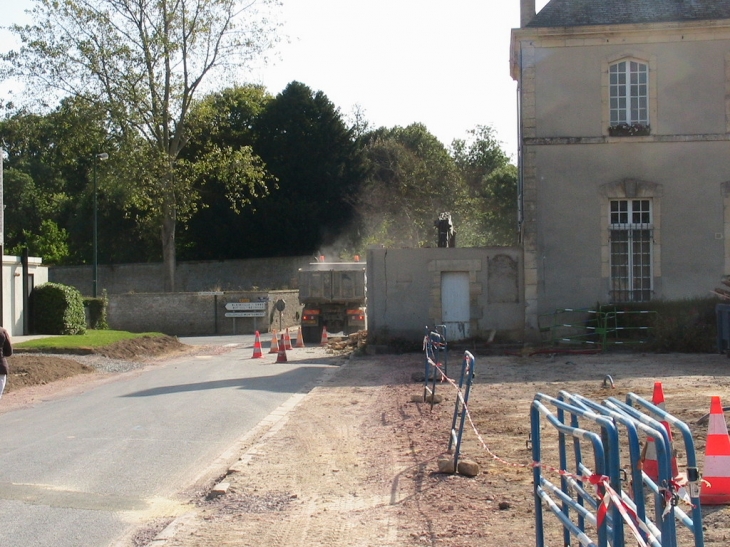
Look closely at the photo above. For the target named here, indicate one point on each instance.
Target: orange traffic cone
(300, 339)
(650, 465)
(324, 336)
(716, 478)
(274, 342)
(287, 340)
(281, 357)
(257, 347)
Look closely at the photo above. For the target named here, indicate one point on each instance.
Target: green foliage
(51, 243)
(478, 155)
(411, 179)
(97, 311)
(251, 175)
(492, 183)
(49, 188)
(304, 143)
(58, 309)
(145, 65)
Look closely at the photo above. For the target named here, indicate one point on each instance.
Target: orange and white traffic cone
(257, 347)
(650, 465)
(300, 338)
(281, 357)
(715, 488)
(324, 336)
(274, 342)
(287, 340)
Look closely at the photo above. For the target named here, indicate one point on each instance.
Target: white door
(455, 304)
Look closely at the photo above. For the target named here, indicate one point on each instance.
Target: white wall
(12, 286)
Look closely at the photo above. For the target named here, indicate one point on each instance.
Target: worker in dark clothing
(7, 352)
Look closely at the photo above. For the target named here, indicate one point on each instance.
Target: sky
(442, 64)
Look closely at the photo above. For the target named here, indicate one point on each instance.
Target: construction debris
(345, 343)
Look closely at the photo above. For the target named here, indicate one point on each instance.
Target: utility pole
(101, 156)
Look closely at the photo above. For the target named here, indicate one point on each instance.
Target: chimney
(527, 12)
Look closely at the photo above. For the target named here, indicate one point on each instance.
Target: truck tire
(312, 335)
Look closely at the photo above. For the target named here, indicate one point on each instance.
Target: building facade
(624, 151)
(16, 289)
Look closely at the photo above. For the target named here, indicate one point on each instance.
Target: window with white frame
(631, 233)
(629, 93)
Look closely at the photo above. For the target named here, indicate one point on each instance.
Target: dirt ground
(29, 369)
(354, 463)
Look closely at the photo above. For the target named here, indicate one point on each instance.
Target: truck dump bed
(335, 282)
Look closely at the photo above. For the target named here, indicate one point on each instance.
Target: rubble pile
(349, 342)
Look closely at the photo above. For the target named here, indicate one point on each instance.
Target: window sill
(626, 130)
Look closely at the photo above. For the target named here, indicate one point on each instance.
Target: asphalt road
(81, 471)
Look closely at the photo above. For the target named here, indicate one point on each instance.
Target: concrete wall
(231, 275)
(193, 314)
(404, 289)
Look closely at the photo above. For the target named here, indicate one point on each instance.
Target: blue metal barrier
(638, 478)
(435, 360)
(543, 488)
(460, 406)
(578, 507)
(694, 524)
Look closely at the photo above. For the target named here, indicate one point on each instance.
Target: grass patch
(92, 339)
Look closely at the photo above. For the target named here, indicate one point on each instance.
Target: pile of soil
(38, 370)
(143, 346)
(29, 369)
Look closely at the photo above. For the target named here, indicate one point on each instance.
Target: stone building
(624, 150)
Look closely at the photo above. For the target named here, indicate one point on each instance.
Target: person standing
(6, 352)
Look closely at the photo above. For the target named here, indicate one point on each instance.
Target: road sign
(246, 306)
(246, 314)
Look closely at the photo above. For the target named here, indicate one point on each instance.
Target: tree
(49, 188)
(44, 168)
(222, 119)
(146, 62)
(492, 183)
(319, 168)
(412, 178)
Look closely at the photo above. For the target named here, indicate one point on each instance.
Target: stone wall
(200, 314)
(257, 274)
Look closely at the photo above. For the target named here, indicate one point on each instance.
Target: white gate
(455, 304)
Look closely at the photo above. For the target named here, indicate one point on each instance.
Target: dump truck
(333, 296)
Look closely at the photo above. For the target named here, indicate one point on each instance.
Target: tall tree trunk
(169, 218)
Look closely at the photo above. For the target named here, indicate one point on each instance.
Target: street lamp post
(102, 156)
